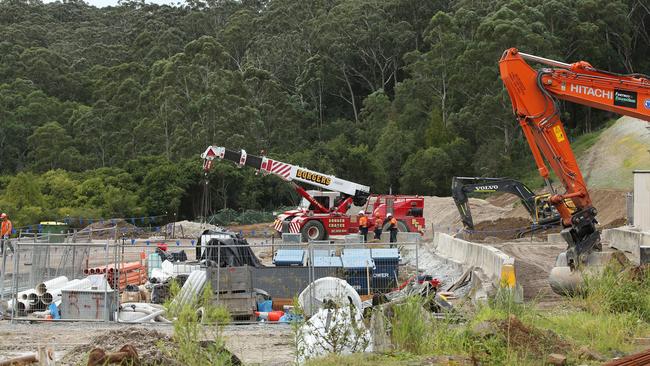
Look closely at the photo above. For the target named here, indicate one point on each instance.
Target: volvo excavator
(534, 94)
(542, 213)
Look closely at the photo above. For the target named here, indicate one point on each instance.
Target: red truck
(322, 214)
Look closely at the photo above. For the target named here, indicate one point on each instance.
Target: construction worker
(363, 225)
(392, 227)
(6, 227)
(379, 223)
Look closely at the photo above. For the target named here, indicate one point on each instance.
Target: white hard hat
(389, 214)
(362, 212)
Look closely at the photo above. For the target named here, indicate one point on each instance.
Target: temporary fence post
(14, 292)
(417, 259)
(311, 275)
(2, 273)
(368, 276)
(119, 261)
(106, 281)
(218, 270)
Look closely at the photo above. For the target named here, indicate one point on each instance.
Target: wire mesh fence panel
(105, 279)
(53, 285)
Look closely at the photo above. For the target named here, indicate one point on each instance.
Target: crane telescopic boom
(534, 95)
(288, 172)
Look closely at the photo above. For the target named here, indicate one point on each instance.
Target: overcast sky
(103, 3)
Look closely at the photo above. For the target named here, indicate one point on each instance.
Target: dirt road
(533, 262)
(267, 344)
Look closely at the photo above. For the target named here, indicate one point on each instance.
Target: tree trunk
(352, 102)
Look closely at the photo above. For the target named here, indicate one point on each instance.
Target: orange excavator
(534, 95)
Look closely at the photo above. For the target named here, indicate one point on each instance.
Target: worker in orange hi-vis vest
(363, 225)
(392, 227)
(6, 227)
(379, 224)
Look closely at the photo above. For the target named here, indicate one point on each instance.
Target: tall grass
(198, 336)
(411, 326)
(617, 290)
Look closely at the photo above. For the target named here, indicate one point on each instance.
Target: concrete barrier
(490, 261)
(628, 240)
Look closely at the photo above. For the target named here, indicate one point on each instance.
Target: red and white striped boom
(288, 172)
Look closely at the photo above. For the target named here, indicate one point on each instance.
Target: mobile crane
(534, 95)
(541, 211)
(322, 214)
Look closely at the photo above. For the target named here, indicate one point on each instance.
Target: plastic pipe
(145, 318)
(57, 282)
(47, 298)
(32, 299)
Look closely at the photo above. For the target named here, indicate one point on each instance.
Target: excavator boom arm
(533, 94)
(461, 187)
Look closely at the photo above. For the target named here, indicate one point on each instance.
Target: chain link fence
(94, 277)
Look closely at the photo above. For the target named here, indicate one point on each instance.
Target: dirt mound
(110, 229)
(189, 229)
(503, 228)
(442, 214)
(148, 343)
(619, 150)
(530, 341)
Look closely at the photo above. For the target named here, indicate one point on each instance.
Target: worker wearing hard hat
(6, 227)
(363, 225)
(392, 227)
(379, 222)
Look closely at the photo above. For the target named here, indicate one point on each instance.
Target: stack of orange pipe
(132, 273)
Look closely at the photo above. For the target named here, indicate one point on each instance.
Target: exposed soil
(503, 228)
(442, 214)
(533, 262)
(148, 343)
(530, 341)
(112, 228)
(268, 344)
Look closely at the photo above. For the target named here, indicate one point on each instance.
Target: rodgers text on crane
(314, 177)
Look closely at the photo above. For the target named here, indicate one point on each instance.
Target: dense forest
(104, 111)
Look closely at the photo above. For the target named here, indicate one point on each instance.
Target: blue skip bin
(358, 272)
(384, 278)
(289, 257)
(320, 262)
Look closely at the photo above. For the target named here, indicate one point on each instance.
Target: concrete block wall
(628, 241)
(642, 199)
(484, 257)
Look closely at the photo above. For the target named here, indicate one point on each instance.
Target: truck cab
(328, 199)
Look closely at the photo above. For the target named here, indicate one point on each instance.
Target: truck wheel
(313, 230)
(401, 227)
